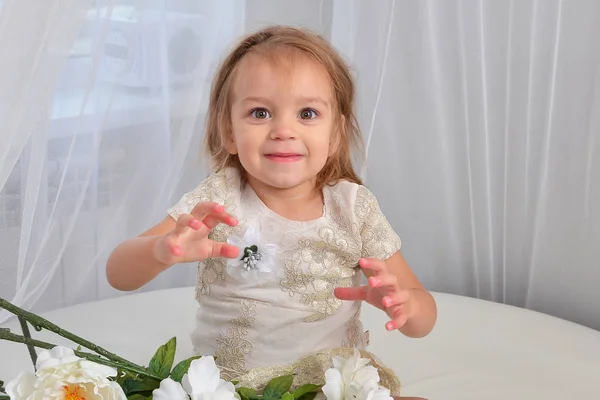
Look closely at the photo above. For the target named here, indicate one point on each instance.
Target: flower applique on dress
(256, 260)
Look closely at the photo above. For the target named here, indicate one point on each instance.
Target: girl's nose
(283, 130)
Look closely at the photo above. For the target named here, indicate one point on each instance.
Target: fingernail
(389, 326)
(374, 281)
(195, 224)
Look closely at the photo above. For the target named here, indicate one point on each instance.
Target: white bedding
(478, 350)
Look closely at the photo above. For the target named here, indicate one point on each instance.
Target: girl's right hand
(189, 241)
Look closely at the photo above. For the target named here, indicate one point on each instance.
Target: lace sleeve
(379, 240)
(214, 188)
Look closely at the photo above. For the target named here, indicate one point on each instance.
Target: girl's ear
(229, 143)
(336, 137)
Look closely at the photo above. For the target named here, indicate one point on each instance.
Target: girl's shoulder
(358, 204)
(221, 187)
(354, 198)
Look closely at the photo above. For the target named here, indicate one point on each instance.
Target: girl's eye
(260, 113)
(308, 113)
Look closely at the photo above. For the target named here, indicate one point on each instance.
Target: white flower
(169, 390)
(253, 262)
(353, 379)
(380, 393)
(62, 375)
(202, 382)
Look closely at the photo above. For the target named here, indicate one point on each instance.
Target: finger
(399, 319)
(353, 293)
(221, 249)
(184, 223)
(202, 210)
(373, 264)
(384, 281)
(211, 221)
(173, 245)
(395, 298)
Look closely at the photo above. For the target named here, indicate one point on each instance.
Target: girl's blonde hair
(270, 42)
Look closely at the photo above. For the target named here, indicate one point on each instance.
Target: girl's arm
(137, 261)
(133, 263)
(395, 289)
(420, 307)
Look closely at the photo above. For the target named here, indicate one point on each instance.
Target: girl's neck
(300, 203)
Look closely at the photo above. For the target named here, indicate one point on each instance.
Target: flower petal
(252, 236)
(237, 242)
(338, 362)
(269, 249)
(366, 374)
(226, 391)
(55, 357)
(334, 385)
(267, 264)
(94, 369)
(380, 393)
(203, 375)
(21, 386)
(169, 390)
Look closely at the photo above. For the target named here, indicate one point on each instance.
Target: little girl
(283, 226)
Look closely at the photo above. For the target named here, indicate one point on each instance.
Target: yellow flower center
(73, 393)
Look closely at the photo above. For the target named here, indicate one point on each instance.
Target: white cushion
(478, 350)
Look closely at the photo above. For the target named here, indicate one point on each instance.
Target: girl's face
(283, 122)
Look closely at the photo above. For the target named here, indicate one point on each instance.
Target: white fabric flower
(202, 382)
(354, 379)
(256, 258)
(62, 375)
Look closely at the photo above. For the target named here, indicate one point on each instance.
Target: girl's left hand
(383, 291)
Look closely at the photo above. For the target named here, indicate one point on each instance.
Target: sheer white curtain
(481, 119)
(102, 109)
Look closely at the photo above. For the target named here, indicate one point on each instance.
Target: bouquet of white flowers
(65, 374)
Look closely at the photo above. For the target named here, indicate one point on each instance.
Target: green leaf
(247, 394)
(277, 387)
(138, 396)
(287, 396)
(142, 387)
(182, 368)
(162, 361)
(304, 389)
(308, 396)
(123, 375)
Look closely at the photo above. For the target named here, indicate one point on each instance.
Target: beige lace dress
(274, 312)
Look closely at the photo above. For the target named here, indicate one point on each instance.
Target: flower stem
(25, 329)
(12, 337)
(39, 323)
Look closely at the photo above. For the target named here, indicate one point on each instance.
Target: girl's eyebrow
(316, 99)
(254, 99)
